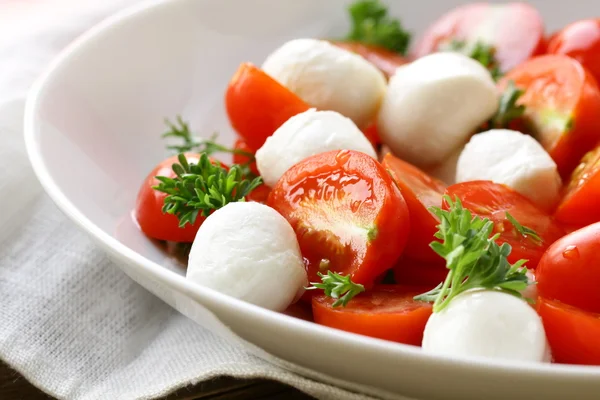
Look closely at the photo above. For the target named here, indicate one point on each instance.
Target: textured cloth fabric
(70, 321)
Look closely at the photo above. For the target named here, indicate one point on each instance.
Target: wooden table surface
(14, 387)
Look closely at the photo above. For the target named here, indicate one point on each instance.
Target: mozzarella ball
(513, 159)
(306, 134)
(433, 105)
(249, 251)
(328, 78)
(487, 324)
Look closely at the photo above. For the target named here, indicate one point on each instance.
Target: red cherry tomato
(573, 334)
(491, 200)
(372, 134)
(581, 41)
(240, 144)
(562, 103)
(386, 312)
(148, 208)
(569, 271)
(347, 213)
(419, 273)
(257, 105)
(420, 191)
(387, 61)
(580, 204)
(260, 194)
(515, 30)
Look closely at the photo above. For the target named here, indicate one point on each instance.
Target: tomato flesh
(420, 191)
(419, 273)
(514, 30)
(386, 312)
(385, 60)
(569, 271)
(581, 41)
(573, 334)
(347, 213)
(257, 105)
(562, 102)
(491, 200)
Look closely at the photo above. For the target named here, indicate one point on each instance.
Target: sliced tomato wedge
(581, 41)
(573, 334)
(347, 213)
(240, 144)
(257, 105)
(514, 30)
(420, 191)
(387, 61)
(419, 273)
(386, 312)
(562, 103)
(580, 204)
(491, 200)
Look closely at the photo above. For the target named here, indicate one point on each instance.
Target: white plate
(92, 129)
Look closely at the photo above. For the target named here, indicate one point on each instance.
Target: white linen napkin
(70, 321)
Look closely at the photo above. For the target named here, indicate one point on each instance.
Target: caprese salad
(412, 196)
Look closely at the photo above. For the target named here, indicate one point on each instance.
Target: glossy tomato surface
(573, 334)
(514, 30)
(562, 103)
(581, 41)
(257, 105)
(569, 271)
(385, 312)
(420, 191)
(491, 200)
(347, 213)
(148, 207)
(387, 61)
(580, 204)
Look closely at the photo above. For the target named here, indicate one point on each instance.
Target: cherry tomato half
(419, 273)
(347, 213)
(581, 41)
(514, 30)
(240, 144)
(573, 334)
(257, 105)
(420, 191)
(148, 208)
(562, 103)
(491, 200)
(569, 271)
(386, 312)
(387, 61)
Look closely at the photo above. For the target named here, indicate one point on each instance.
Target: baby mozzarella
(433, 105)
(249, 251)
(307, 134)
(487, 324)
(328, 78)
(513, 159)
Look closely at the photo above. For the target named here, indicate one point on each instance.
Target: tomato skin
(419, 273)
(569, 271)
(580, 204)
(372, 134)
(257, 105)
(344, 208)
(518, 31)
(148, 208)
(260, 194)
(386, 312)
(491, 200)
(385, 60)
(240, 144)
(562, 102)
(420, 191)
(581, 41)
(573, 334)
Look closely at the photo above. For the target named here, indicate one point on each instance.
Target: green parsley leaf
(338, 287)
(371, 25)
(481, 52)
(526, 232)
(508, 110)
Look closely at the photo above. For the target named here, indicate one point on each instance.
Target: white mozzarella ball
(487, 324)
(249, 251)
(306, 134)
(433, 105)
(328, 78)
(513, 159)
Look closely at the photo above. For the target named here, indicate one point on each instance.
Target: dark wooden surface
(15, 387)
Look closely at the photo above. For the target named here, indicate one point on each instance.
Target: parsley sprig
(473, 258)
(508, 110)
(481, 52)
(525, 231)
(372, 25)
(199, 189)
(338, 287)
